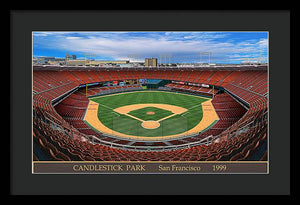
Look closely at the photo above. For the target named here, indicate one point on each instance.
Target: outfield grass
(127, 125)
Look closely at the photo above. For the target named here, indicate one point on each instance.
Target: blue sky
(182, 47)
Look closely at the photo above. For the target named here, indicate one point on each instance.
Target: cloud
(263, 42)
(182, 45)
(40, 34)
(72, 37)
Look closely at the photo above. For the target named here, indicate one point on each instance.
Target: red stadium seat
(251, 87)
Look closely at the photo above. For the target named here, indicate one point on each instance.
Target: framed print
(150, 102)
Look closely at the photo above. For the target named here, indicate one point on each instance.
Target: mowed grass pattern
(158, 113)
(171, 126)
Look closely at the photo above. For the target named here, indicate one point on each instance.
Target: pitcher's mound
(150, 113)
(150, 124)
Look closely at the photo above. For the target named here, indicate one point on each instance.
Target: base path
(176, 110)
(127, 108)
(208, 118)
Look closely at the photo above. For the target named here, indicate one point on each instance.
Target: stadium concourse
(60, 100)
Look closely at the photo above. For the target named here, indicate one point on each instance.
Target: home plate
(150, 124)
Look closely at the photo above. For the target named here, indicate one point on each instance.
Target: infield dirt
(209, 117)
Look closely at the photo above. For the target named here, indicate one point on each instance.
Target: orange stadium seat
(250, 87)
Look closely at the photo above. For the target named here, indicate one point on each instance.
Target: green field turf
(127, 125)
(142, 113)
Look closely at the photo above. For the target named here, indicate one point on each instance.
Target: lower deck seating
(61, 147)
(66, 142)
(193, 89)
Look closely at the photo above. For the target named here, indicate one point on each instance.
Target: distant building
(99, 62)
(82, 62)
(44, 60)
(76, 62)
(150, 62)
(70, 57)
(126, 65)
(57, 61)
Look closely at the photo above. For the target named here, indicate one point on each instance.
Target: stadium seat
(62, 87)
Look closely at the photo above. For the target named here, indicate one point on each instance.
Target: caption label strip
(150, 167)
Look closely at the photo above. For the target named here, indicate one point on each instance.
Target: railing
(70, 131)
(53, 88)
(94, 140)
(178, 137)
(205, 141)
(117, 90)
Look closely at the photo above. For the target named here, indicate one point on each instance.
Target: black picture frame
(23, 182)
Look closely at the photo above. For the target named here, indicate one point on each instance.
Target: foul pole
(86, 87)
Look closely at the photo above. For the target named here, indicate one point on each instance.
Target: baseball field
(150, 114)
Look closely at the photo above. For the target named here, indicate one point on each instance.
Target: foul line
(185, 113)
(194, 106)
(209, 117)
(106, 106)
(116, 113)
(134, 117)
(167, 117)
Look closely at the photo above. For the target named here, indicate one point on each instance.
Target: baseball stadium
(200, 113)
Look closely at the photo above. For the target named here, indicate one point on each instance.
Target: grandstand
(239, 96)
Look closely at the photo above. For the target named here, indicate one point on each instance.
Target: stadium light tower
(261, 57)
(166, 57)
(207, 54)
(88, 56)
(133, 56)
(161, 57)
(169, 55)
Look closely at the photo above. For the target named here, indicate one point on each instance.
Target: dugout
(155, 83)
